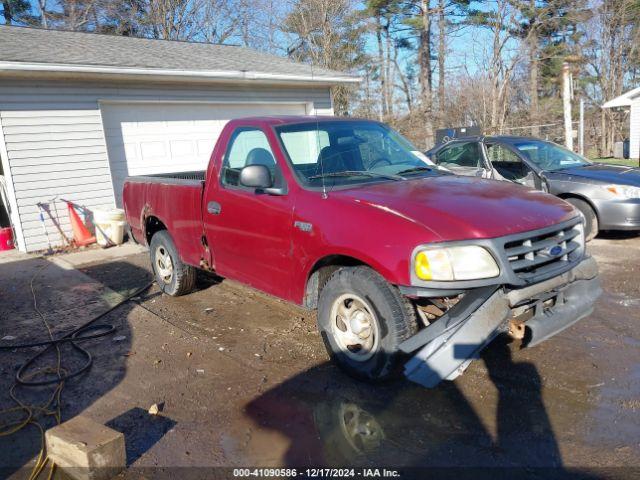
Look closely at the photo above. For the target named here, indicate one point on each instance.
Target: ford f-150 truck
(404, 262)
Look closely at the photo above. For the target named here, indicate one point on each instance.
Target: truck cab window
(248, 146)
(465, 155)
(349, 152)
(507, 163)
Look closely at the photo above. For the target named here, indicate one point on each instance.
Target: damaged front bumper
(446, 347)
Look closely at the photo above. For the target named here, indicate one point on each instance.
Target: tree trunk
(442, 51)
(424, 59)
(406, 88)
(43, 13)
(533, 77)
(381, 68)
(534, 115)
(6, 10)
(388, 75)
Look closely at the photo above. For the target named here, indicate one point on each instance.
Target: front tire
(591, 226)
(362, 320)
(173, 277)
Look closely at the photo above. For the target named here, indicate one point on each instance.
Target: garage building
(79, 112)
(630, 101)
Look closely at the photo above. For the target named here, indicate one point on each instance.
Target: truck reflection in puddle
(330, 421)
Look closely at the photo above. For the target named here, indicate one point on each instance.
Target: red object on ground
(81, 235)
(6, 239)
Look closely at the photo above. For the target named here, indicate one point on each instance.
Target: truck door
(463, 158)
(509, 166)
(249, 231)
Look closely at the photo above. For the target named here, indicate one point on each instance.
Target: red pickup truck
(403, 261)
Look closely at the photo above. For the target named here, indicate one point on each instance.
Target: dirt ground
(243, 380)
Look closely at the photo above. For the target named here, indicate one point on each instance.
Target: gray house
(79, 112)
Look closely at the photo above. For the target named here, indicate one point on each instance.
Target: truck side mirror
(256, 176)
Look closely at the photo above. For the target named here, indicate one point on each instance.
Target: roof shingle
(55, 47)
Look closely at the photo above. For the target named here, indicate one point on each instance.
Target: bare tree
(613, 43)
(327, 33)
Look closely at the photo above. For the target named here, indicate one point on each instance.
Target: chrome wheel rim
(354, 327)
(164, 264)
(360, 428)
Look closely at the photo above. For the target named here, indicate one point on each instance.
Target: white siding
(634, 130)
(55, 144)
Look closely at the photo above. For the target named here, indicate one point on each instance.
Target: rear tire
(591, 226)
(362, 320)
(173, 277)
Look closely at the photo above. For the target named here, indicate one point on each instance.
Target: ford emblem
(555, 251)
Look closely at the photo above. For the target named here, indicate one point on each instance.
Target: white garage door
(144, 139)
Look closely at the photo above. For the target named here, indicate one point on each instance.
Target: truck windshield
(549, 156)
(351, 152)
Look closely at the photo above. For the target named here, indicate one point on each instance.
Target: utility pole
(581, 128)
(566, 104)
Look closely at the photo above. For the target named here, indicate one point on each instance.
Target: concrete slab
(9, 256)
(99, 255)
(85, 449)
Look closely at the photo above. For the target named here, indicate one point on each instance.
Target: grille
(537, 255)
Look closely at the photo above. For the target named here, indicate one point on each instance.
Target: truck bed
(173, 199)
(197, 175)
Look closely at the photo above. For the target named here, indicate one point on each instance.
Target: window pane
(549, 156)
(247, 147)
(348, 149)
(499, 153)
(304, 147)
(506, 162)
(461, 155)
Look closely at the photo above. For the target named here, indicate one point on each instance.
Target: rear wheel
(589, 215)
(173, 277)
(362, 320)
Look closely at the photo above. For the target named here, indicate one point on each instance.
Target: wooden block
(86, 450)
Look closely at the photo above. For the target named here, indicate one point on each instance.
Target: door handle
(214, 208)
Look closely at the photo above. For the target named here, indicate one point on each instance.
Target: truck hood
(459, 208)
(615, 174)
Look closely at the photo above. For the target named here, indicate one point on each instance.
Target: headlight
(454, 263)
(624, 191)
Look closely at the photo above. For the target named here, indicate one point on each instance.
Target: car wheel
(362, 320)
(589, 215)
(173, 277)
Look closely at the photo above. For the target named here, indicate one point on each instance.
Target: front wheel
(590, 218)
(362, 320)
(173, 277)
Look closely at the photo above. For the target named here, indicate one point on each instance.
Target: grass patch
(617, 161)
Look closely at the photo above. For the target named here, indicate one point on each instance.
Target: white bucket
(110, 226)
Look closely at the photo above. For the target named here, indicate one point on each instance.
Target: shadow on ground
(67, 299)
(618, 234)
(332, 421)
